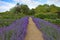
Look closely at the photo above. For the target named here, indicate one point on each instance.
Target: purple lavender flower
(49, 30)
(15, 31)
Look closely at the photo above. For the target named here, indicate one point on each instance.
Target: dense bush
(7, 18)
(55, 21)
(48, 15)
(42, 16)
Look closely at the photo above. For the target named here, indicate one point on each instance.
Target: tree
(42, 8)
(16, 9)
(24, 9)
(53, 8)
(32, 12)
(46, 6)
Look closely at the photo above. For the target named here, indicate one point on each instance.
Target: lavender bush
(49, 30)
(15, 31)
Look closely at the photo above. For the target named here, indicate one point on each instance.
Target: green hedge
(7, 18)
(49, 16)
(55, 21)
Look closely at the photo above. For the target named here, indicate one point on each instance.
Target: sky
(6, 5)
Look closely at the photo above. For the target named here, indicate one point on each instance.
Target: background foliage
(47, 12)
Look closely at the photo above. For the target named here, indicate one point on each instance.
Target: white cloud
(5, 6)
(35, 3)
(56, 2)
(30, 3)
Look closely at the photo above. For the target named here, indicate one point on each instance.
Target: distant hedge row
(49, 16)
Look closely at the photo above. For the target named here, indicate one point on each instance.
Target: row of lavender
(16, 31)
(50, 31)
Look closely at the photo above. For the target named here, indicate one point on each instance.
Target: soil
(33, 33)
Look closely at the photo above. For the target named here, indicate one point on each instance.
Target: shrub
(49, 16)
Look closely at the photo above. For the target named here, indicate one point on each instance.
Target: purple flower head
(49, 30)
(15, 31)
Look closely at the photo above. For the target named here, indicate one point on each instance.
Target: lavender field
(29, 19)
(18, 29)
(15, 31)
(49, 30)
